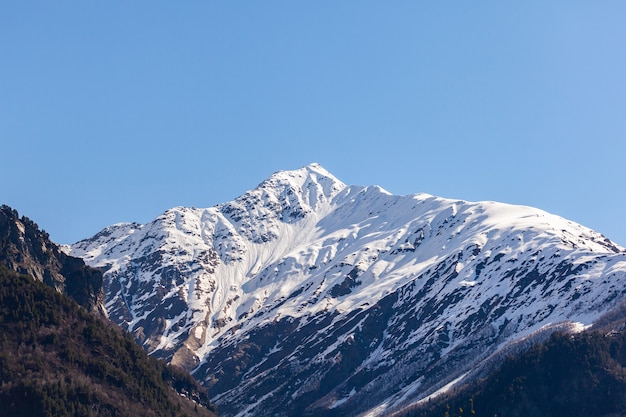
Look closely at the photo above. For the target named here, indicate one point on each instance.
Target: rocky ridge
(26, 249)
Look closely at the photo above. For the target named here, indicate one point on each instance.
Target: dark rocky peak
(26, 249)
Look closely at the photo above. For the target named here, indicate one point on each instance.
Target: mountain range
(307, 296)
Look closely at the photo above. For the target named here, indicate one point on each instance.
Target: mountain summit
(307, 296)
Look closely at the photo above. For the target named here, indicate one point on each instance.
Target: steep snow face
(305, 295)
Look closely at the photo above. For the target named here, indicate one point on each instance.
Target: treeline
(567, 375)
(57, 359)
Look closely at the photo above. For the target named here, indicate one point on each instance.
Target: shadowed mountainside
(56, 359)
(26, 249)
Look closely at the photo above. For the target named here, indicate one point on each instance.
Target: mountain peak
(300, 178)
(285, 197)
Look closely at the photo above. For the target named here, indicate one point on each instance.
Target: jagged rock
(26, 249)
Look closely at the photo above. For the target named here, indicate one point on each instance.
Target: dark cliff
(26, 249)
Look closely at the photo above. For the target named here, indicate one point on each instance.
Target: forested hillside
(567, 375)
(57, 359)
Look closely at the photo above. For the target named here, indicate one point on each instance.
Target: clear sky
(115, 111)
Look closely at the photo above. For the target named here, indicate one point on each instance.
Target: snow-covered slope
(306, 296)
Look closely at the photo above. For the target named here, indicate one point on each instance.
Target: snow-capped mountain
(306, 296)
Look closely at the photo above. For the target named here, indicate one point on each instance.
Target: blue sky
(116, 111)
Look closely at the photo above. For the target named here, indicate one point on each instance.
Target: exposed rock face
(306, 296)
(27, 250)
